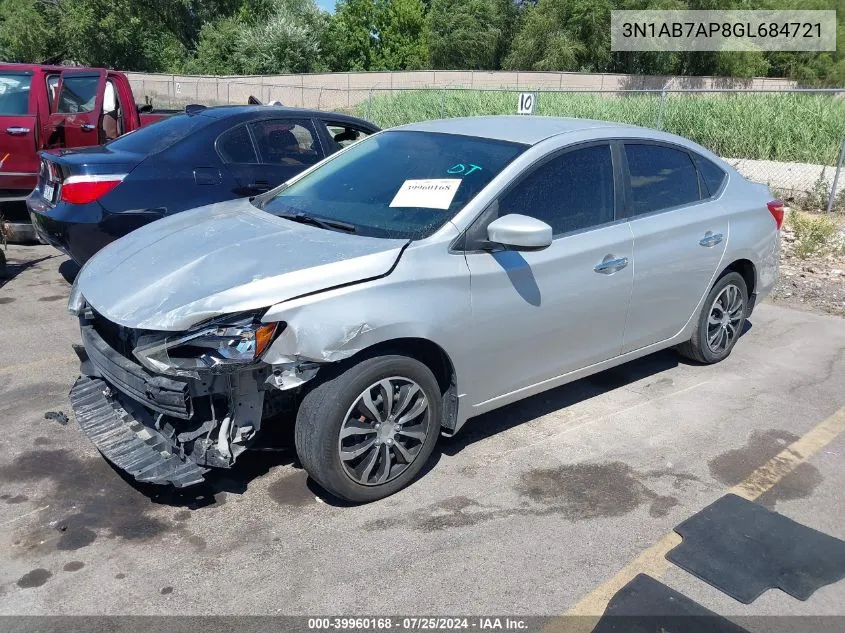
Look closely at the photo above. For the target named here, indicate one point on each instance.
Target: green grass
(785, 127)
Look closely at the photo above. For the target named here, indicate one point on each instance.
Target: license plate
(48, 192)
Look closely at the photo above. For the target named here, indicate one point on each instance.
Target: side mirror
(520, 233)
(147, 107)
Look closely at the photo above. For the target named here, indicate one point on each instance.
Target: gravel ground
(816, 283)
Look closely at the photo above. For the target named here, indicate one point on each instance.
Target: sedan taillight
(85, 189)
(776, 209)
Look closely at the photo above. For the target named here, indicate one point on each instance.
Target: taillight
(85, 189)
(776, 209)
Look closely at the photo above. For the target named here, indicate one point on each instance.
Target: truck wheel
(720, 322)
(367, 430)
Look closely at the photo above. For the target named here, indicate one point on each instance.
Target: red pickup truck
(43, 107)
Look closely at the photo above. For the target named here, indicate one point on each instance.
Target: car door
(18, 130)
(545, 313)
(75, 116)
(680, 233)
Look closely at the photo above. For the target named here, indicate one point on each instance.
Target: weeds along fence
(790, 139)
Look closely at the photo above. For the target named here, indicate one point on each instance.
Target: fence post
(662, 105)
(319, 97)
(369, 103)
(442, 103)
(832, 197)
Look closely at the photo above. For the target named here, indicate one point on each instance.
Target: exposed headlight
(76, 302)
(217, 346)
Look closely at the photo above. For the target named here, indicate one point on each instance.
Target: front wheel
(721, 321)
(367, 431)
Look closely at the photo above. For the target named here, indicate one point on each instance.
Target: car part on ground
(88, 198)
(414, 280)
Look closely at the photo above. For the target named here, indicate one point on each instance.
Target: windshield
(398, 184)
(159, 135)
(14, 93)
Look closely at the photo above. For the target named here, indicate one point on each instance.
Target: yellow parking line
(652, 561)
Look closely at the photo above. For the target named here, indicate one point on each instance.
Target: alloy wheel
(725, 317)
(384, 431)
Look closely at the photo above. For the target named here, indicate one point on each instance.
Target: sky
(326, 5)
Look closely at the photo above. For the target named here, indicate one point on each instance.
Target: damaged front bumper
(170, 429)
(119, 431)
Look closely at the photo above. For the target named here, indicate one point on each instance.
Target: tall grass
(788, 127)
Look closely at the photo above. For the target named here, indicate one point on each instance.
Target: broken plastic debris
(58, 416)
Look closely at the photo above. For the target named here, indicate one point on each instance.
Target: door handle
(87, 127)
(17, 131)
(710, 239)
(609, 265)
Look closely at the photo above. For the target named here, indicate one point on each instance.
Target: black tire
(322, 413)
(697, 348)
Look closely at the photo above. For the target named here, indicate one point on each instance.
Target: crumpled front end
(169, 428)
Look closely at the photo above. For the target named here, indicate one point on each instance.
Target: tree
(266, 37)
(378, 35)
(402, 35)
(469, 35)
(26, 33)
(563, 35)
(351, 42)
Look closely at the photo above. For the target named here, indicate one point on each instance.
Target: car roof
(528, 130)
(20, 67)
(255, 111)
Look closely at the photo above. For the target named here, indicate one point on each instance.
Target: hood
(220, 259)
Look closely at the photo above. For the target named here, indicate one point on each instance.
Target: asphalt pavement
(540, 508)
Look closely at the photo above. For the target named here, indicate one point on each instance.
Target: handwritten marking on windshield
(460, 168)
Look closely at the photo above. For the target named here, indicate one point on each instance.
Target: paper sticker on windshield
(431, 193)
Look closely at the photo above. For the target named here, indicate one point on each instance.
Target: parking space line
(652, 561)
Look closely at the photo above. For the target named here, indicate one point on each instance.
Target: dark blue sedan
(88, 197)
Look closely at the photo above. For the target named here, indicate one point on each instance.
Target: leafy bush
(815, 234)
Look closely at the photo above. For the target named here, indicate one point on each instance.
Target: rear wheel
(720, 322)
(367, 431)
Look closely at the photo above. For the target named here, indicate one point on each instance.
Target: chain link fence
(788, 138)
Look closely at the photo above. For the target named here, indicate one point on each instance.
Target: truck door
(75, 116)
(18, 132)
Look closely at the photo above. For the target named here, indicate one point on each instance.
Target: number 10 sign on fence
(525, 105)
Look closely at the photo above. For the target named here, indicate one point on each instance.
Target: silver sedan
(414, 280)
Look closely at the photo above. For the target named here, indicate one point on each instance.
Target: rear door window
(290, 142)
(343, 134)
(570, 192)
(661, 178)
(712, 175)
(235, 146)
(14, 93)
(79, 93)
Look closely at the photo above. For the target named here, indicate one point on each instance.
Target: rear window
(712, 174)
(79, 92)
(160, 135)
(14, 93)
